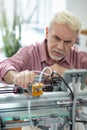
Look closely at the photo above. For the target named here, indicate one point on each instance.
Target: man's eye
(67, 41)
(57, 38)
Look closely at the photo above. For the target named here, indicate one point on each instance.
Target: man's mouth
(57, 53)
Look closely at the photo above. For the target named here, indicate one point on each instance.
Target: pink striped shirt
(34, 57)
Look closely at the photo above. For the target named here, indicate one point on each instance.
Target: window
(33, 15)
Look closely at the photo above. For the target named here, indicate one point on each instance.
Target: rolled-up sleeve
(18, 62)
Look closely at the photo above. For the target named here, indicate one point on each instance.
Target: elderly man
(58, 51)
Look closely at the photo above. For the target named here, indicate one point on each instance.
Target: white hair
(67, 18)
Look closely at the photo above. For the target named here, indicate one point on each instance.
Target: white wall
(79, 7)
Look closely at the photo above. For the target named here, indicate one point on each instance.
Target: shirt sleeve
(18, 62)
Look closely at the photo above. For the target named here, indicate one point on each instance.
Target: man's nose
(60, 45)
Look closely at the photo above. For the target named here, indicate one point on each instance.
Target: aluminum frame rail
(46, 108)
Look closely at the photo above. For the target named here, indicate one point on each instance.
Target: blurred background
(23, 22)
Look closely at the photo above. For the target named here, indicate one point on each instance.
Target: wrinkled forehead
(63, 31)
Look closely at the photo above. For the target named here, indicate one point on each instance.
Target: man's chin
(57, 59)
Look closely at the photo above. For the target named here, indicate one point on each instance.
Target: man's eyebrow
(57, 37)
(67, 40)
(61, 39)
(64, 40)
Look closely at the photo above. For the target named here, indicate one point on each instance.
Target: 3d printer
(47, 103)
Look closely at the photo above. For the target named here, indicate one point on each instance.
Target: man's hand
(59, 69)
(22, 78)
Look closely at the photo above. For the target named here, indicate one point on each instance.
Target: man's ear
(46, 34)
(77, 40)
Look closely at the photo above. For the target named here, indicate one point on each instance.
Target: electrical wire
(72, 96)
(30, 117)
(43, 72)
(54, 72)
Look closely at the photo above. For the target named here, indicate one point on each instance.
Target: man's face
(60, 38)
